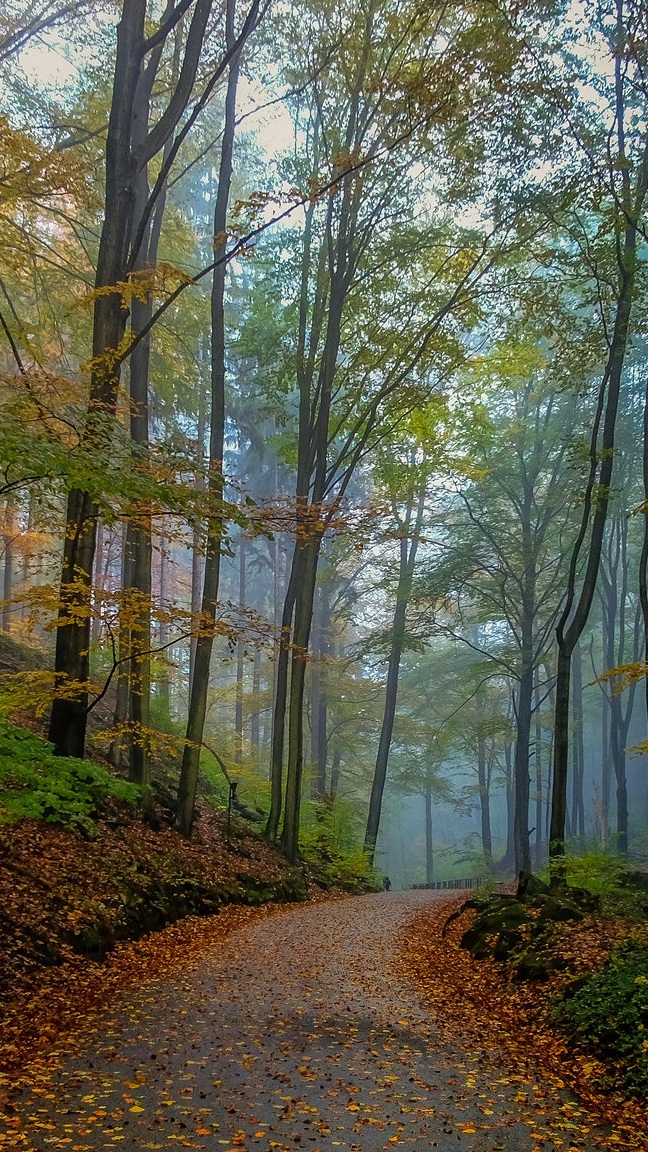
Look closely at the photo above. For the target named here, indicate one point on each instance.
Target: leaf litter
(293, 1030)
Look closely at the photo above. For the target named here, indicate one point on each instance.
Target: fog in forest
(323, 374)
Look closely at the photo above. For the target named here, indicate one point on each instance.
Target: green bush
(36, 783)
(609, 1011)
(333, 864)
(606, 876)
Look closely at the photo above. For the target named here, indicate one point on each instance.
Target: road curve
(296, 1033)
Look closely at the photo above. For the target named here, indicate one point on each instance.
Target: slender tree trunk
(8, 573)
(141, 528)
(256, 689)
(410, 536)
(509, 855)
(69, 715)
(200, 682)
(577, 608)
(643, 560)
(164, 681)
(72, 660)
(240, 658)
(99, 584)
(521, 771)
(538, 773)
(578, 759)
(280, 701)
(429, 843)
(198, 540)
(116, 751)
(301, 634)
(335, 775)
(484, 799)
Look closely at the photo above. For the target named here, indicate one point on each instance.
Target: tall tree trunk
(69, 715)
(538, 773)
(577, 608)
(197, 542)
(256, 689)
(240, 657)
(200, 682)
(98, 583)
(643, 559)
(429, 843)
(408, 549)
(484, 799)
(164, 681)
(319, 694)
(509, 855)
(521, 771)
(140, 528)
(335, 775)
(299, 657)
(120, 714)
(578, 758)
(9, 532)
(305, 370)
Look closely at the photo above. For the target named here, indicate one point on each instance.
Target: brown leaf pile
(477, 1001)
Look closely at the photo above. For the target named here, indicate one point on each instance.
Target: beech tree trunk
(240, 658)
(602, 448)
(9, 531)
(643, 559)
(429, 842)
(409, 542)
(484, 799)
(578, 757)
(204, 642)
(70, 710)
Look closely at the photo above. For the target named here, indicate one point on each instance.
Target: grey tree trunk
(602, 449)
(409, 542)
(9, 531)
(484, 799)
(200, 681)
(68, 719)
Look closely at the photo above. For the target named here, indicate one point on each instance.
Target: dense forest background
(324, 406)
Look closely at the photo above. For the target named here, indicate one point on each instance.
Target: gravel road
(295, 1033)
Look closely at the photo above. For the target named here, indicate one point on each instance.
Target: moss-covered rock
(516, 929)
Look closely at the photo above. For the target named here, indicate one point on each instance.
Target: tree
(626, 187)
(122, 234)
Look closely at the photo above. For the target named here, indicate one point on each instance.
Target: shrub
(333, 866)
(609, 1011)
(36, 783)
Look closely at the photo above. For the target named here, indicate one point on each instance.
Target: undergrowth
(609, 1012)
(336, 866)
(36, 783)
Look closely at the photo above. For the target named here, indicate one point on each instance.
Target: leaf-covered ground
(477, 999)
(65, 902)
(298, 1030)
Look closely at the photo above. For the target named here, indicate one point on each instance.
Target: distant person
(386, 884)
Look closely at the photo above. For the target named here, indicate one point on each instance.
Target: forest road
(297, 1033)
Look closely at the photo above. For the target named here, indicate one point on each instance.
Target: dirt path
(297, 1033)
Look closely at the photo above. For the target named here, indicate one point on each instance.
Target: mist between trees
(324, 410)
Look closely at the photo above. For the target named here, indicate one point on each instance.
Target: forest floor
(70, 907)
(350, 1024)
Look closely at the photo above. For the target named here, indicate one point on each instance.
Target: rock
(534, 965)
(497, 929)
(555, 910)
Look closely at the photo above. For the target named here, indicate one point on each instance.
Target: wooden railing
(467, 882)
